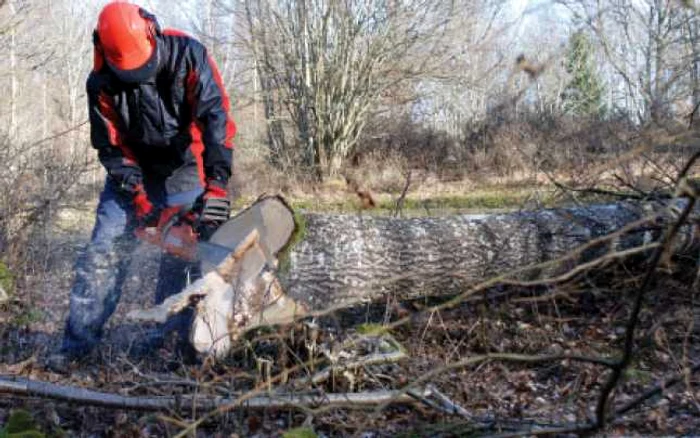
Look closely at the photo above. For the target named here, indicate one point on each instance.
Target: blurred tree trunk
(692, 42)
(12, 126)
(345, 259)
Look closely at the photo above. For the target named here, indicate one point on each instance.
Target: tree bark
(346, 259)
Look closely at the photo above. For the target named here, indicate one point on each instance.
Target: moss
(298, 235)
(7, 280)
(300, 432)
(21, 424)
(370, 329)
(642, 376)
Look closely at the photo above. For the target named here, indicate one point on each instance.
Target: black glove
(131, 182)
(149, 220)
(211, 213)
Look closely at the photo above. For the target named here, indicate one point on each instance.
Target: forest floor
(586, 317)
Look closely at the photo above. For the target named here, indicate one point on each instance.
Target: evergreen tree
(583, 96)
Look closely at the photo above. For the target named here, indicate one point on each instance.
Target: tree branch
(83, 396)
(658, 389)
(639, 298)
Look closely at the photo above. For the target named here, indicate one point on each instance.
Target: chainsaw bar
(270, 216)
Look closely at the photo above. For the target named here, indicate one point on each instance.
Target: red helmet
(125, 35)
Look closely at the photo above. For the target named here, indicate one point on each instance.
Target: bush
(510, 147)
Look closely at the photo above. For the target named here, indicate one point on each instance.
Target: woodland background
(446, 106)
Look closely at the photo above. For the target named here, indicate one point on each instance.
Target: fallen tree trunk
(342, 260)
(345, 259)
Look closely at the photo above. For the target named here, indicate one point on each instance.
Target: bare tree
(324, 65)
(649, 47)
(42, 141)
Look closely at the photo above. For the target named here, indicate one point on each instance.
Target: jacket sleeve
(115, 156)
(211, 112)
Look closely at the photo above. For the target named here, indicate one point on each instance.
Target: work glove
(147, 215)
(212, 208)
(131, 183)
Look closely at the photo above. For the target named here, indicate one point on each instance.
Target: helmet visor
(139, 74)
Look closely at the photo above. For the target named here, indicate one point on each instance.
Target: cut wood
(179, 302)
(236, 296)
(218, 281)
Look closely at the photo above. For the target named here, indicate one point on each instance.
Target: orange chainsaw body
(173, 234)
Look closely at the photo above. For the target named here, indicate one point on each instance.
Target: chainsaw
(175, 233)
(255, 297)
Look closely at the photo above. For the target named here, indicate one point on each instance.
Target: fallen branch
(658, 389)
(83, 396)
(372, 359)
(448, 406)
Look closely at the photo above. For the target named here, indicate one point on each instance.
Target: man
(159, 121)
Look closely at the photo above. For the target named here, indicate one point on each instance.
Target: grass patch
(443, 201)
(417, 204)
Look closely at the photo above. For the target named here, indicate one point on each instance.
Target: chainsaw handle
(173, 234)
(170, 217)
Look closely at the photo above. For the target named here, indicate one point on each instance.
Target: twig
(581, 268)
(83, 396)
(595, 191)
(372, 359)
(505, 357)
(399, 202)
(59, 134)
(642, 194)
(554, 431)
(658, 389)
(448, 405)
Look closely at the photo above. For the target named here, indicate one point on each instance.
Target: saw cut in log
(242, 292)
(226, 312)
(233, 298)
(270, 216)
(213, 283)
(215, 312)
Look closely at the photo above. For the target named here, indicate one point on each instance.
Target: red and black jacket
(173, 127)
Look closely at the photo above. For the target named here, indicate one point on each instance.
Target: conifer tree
(583, 96)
